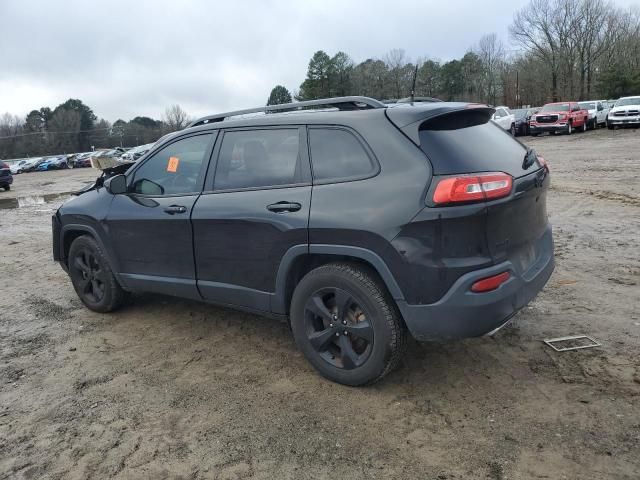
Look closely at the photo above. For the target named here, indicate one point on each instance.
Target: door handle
(282, 207)
(173, 209)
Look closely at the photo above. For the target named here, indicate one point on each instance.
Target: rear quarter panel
(370, 213)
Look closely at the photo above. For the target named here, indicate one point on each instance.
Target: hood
(624, 108)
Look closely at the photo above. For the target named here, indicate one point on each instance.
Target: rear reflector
(472, 188)
(490, 283)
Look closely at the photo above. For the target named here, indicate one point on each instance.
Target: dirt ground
(167, 388)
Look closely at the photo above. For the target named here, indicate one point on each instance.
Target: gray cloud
(127, 58)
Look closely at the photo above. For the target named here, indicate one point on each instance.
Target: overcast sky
(125, 58)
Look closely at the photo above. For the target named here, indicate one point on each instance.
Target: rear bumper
(462, 313)
(552, 127)
(6, 180)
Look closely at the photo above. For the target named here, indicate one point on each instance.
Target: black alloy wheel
(91, 278)
(338, 328)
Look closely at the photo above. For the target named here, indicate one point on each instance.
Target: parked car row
(568, 117)
(75, 160)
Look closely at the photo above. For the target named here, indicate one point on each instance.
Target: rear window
(555, 107)
(466, 142)
(337, 154)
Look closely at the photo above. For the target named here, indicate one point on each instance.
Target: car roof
(400, 113)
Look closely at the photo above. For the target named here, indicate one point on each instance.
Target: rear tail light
(472, 188)
(490, 283)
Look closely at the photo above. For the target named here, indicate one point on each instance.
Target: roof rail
(341, 103)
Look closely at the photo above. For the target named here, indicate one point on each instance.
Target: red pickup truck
(559, 117)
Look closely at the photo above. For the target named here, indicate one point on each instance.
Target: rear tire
(346, 325)
(7, 188)
(584, 126)
(92, 277)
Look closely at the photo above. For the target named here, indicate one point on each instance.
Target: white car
(505, 119)
(626, 111)
(24, 165)
(598, 110)
(135, 153)
(17, 166)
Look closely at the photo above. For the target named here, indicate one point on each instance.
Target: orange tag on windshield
(172, 166)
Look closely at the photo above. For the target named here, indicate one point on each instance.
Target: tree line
(73, 127)
(567, 50)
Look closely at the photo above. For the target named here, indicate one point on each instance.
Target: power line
(57, 133)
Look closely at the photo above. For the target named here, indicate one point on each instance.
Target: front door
(150, 227)
(254, 209)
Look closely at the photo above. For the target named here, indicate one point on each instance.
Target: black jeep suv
(357, 221)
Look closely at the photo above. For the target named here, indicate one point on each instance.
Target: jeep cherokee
(358, 222)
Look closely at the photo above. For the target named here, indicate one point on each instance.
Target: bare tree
(540, 29)
(175, 118)
(399, 71)
(10, 129)
(491, 52)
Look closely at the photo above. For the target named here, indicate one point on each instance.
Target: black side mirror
(116, 185)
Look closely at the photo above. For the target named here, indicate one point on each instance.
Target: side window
(259, 158)
(173, 170)
(337, 154)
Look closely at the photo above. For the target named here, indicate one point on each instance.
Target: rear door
(149, 226)
(255, 207)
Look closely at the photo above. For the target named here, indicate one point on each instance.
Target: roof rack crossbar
(341, 103)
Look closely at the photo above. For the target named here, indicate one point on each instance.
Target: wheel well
(68, 239)
(305, 263)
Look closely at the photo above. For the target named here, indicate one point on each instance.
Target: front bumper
(462, 313)
(623, 120)
(551, 127)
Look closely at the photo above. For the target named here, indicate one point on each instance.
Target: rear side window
(259, 158)
(466, 142)
(337, 154)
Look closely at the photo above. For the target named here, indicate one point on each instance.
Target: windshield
(628, 101)
(588, 105)
(520, 113)
(555, 107)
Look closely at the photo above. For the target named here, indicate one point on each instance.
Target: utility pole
(413, 85)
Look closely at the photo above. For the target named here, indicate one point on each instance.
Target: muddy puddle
(32, 200)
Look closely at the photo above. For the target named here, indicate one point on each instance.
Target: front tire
(92, 277)
(512, 130)
(346, 325)
(569, 129)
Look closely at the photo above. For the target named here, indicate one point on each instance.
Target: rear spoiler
(410, 119)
